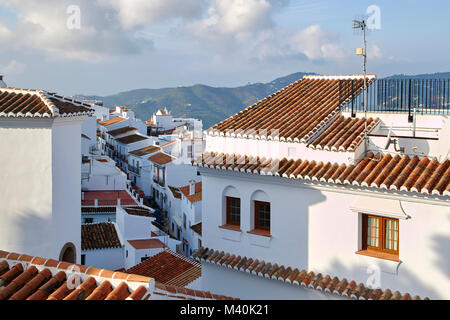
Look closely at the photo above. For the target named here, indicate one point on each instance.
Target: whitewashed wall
(111, 259)
(314, 228)
(135, 255)
(133, 227)
(66, 184)
(193, 216)
(26, 186)
(275, 149)
(236, 284)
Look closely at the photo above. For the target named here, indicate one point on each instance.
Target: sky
(104, 47)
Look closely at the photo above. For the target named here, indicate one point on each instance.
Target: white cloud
(317, 44)
(5, 35)
(246, 28)
(233, 29)
(374, 52)
(133, 13)
(235, 19)
(42, 27)
(14, 67)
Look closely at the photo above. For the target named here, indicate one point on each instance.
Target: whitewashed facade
(317, 225)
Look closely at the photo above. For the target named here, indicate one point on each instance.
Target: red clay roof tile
(170, 268)
(306, 279)
(399, 173)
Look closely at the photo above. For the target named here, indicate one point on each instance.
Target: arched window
(231, 207)
(261, 208)
(68, 253)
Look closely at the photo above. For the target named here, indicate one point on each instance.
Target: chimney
(191, 187)
(118, 202)
(2, 83)
(96, 202)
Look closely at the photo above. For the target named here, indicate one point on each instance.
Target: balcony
(123, 157)
(133, 169)
(408, 96)
(110, 146)
(160, 182)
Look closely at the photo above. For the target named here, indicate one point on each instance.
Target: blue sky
(130, 44)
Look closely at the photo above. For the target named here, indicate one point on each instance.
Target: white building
(40, 139)
(291, 183)
(140, 168)
(101, 173)
(190, 214)
(125, 242)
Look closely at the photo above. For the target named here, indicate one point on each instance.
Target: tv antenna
(360, 24)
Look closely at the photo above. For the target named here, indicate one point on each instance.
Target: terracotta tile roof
(169, 143)
(139, 211)
(38, 103)
(68, 108)
(107, 210)
(131, 139)
(197, 228)
(149, 123)
(120, 131)
(197, 196)
(99, 236)
(112, 121)
(145, 151)
(176, 192)
(169, 268)
(33, 278)
(178, 293)
(161, 158)
(295, 276)
(343, 134)
(107, 198)
(401, 173)
(146, 244)
(295, 111)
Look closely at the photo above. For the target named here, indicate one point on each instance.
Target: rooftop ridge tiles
(398, 173)
(312, 281)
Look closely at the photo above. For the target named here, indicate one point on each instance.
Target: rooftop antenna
(2, 83)
(360, 24)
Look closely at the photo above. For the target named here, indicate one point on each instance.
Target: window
(68, 253)
(233, 211)
(262, 215)
(144, 258)
(380, 234)
(83, 259)
(88, 220)
(199, 243)
(184, 220)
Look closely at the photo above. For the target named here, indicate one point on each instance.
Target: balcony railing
(160, 182)
(110, 146)
(133, 169)
(421, 96)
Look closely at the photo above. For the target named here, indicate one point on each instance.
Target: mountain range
(210, 104)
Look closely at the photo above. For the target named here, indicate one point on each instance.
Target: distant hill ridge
(210, 104)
